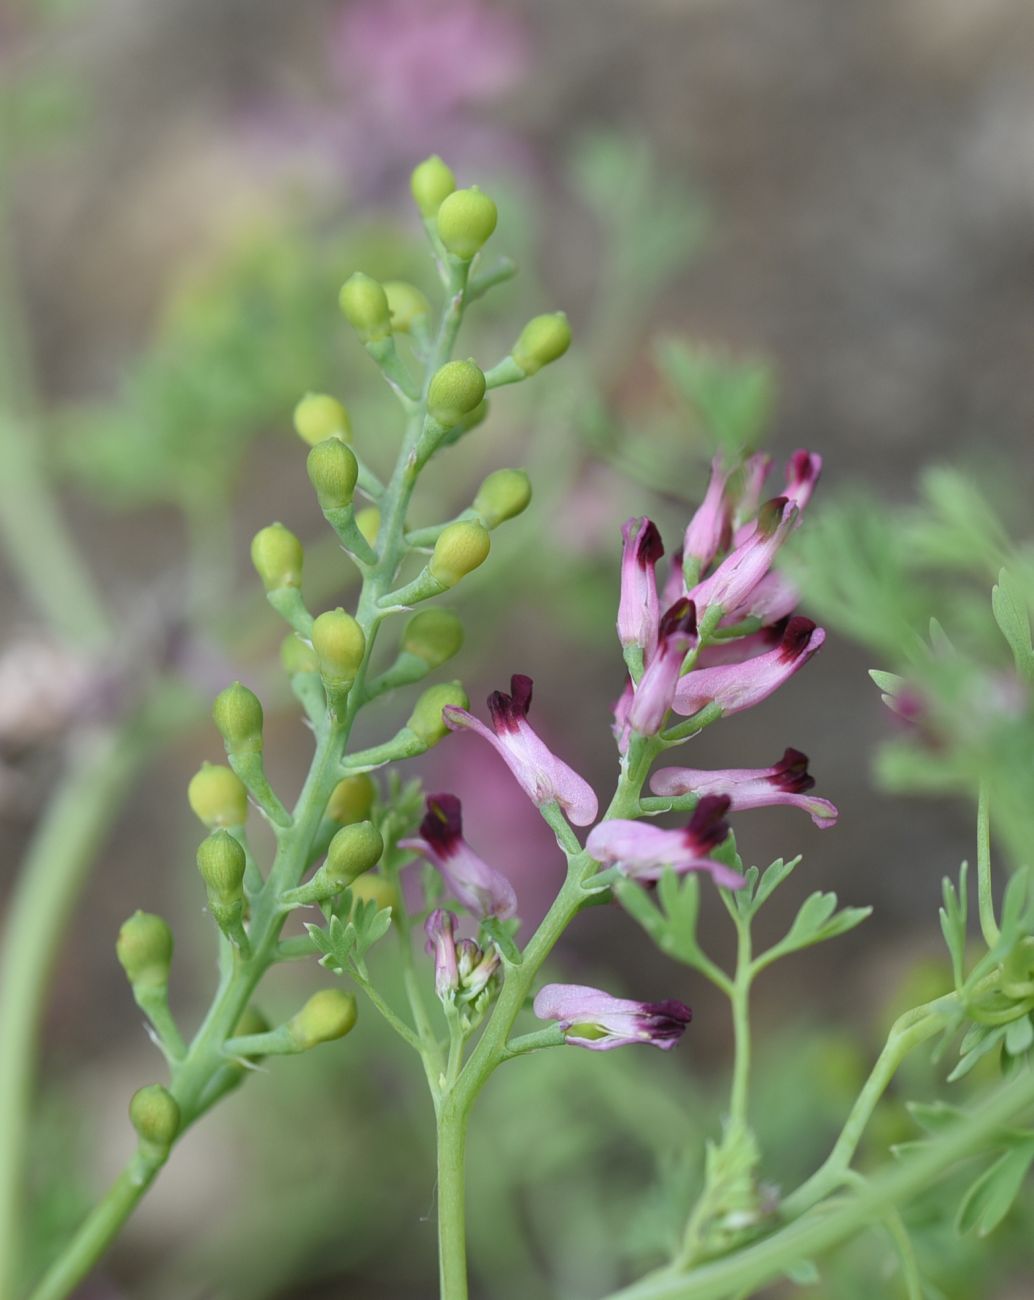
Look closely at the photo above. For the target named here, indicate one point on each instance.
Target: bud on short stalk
(155, 1114)
(296, 656)
(353, 851)
(333, 471)
(277, 556)
(144, 951)
(351, 799)
(466, 220)
(340, 645)
(365, 307)
(503, 495)
(426, 722)
(431, 183)
(544, 339)
(457, 389)
(409, 308)
(327, 1015)
(217, 796)
(319, 416)
(237, 713)
(222, 862)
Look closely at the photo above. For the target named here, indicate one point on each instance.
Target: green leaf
(953, 916)
(637, 903)
(889, 683)
(990, 1197)
(681, 903)
(803, 1273)
(502, 934)
(1019, 1035)
(978, 1042)
(1010, 612)
(934, 1116)
(817, 921)
(772, 877)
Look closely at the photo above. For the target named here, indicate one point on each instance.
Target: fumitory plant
(367, 872)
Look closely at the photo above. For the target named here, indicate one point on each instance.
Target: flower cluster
(719, 638)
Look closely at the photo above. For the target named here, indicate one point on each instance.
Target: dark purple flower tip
(648, 545)
(681, 617)
(442, 826)
(791, 773)
(803, 467)
(774, 633)
(796, 638)
(508, 711)
(770, 515)
(666, 1020)
(707, 827)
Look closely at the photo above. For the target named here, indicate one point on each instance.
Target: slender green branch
(388, 1012)
(740, 998)
(985, 897)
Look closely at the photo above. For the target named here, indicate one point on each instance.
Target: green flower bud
(144, 950)
(431, 182)
(353, 850)
(503, 495)
(373, 888)
(296, 656)
(351, 799)
(238, 715)
(406, 304)
(319, 416)
(456, 390)
(368, 521)
(217, 796)
(433, 635)
(339, 644)
(459, 550)
(155, 1114)
(365, 305)
(277, 556)
(333, 471)
(327, 1015)
(221, 861)
(466, 220)
(543, 339)
(426, 720)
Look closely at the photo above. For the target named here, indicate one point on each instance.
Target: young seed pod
(351, 799)
(457, 388)
(296, 656)
(277, 556)
(373, 888)
(407, 305)
(155, 1114)
(319, 416)
(543, 339)
(144, 951)
(221, 861)
(340, 645)
(327, 1015)
(217, 796)
(426, 721)
(431, 182)
(466, 220)
(368, 521)
(332, 470)
(459, 550)
(237, 713)
(503, 495)
(365, 305)
(433, 635)
(353, 850)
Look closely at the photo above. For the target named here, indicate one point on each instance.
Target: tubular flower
(543, 777)
(476, 967)
(786, 782)
(734, 687)
(479, 887)
(735, 579)
(638, 608)
(440, 928)
(755, 471)
(642, 852)
(709, 531)
(675, 582)
(775, 597)
(802, 473)
(656, 690)
(739, 649)
(591, 1018)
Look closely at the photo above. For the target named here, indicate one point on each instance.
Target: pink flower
(774, 598)
(543, 776)
(709, 531)
(735, 579)
(638, 610)
(479, 887)
(755, 471)
(440, 928)
(598, 1021)
(656, 690)
(738, 649)
(802, 474)
(642, 851)
(784, 783)
(734, 687)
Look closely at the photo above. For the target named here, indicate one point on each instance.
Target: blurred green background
(782, 219)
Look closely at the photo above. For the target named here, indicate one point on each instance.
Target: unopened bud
(503, 495)
(327, 1015)
(353, 850)
(217, 796)
(237, 713)
(373, 888)
(466, 220)
(144, 950)
(365, 305)
(368, 521)
(459, 550)
(433, 635)
(296, 656)
(155, 1114)
(543, 339)
(457, 388)
(351, 799)
(333, 471)
(407, 305)
(432, 182)
(318, 416)
(277, 556)
(426, 721)
(221, 861)
(339, 644)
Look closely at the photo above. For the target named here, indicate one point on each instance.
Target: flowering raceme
(479, 887)
(594, 1019)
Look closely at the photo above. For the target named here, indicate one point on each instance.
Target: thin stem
(985, 898)
(452, 1235)
(738, 1097)
(388, 1012)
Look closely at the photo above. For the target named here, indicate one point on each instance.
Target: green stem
(985, 897)
(48, 886)
(452, 1243)
(738, 1097)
